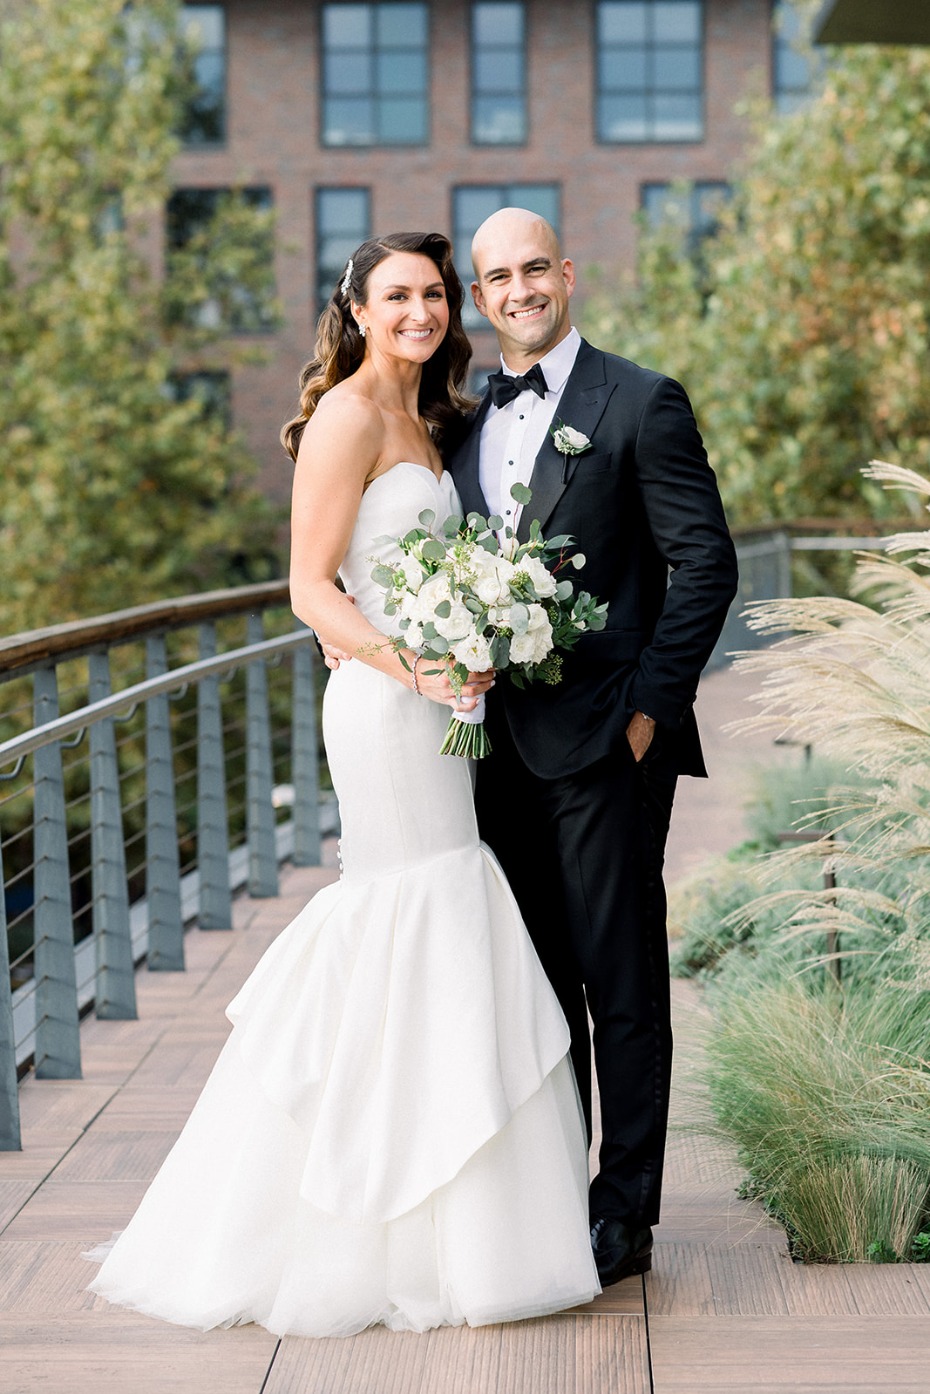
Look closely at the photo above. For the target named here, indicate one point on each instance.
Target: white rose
(474, 652)
(457, 624)
(492, 582)
(412, 576)
(434, 590)
(569, 441)
(533, 646)
(542, 581)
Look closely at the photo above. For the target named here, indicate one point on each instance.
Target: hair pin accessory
(347, 278)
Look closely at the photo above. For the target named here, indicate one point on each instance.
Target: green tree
(115, 488)
(801, 331)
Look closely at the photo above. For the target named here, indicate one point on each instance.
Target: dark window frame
(377, 140)
(320, 297)
(222, 139)
(261, 196)
(696, 228)
(651, 91)
(785, 98)
(474, 95)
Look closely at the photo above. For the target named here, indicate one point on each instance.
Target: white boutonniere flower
(568, 441)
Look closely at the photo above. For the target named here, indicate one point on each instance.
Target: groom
(576, 797)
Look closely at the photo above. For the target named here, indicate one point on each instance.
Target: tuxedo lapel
(464, 467)
(582, 405)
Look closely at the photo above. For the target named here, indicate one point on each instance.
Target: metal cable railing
(131, 804)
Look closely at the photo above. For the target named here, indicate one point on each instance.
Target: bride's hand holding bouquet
(469, 598)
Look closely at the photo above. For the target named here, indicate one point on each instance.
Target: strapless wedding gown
(392, 1131)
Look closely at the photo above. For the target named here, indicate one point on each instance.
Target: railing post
(305, 763)
(260, 822)
(212, 819)
(57, 1046)
(115, 994)
(783, 564)
(10, 1138)
(163, 869)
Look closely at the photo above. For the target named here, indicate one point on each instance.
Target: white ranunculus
(542, 580)
(474, 652)
(532, 646)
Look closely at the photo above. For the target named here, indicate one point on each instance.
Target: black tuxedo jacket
(642, 505)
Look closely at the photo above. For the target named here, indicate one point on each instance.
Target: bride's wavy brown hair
(340, 347)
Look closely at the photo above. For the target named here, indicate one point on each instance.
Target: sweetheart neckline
(437, 479)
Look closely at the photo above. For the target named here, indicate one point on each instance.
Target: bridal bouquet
(469, 595)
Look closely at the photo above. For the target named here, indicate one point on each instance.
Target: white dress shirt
(512, 435)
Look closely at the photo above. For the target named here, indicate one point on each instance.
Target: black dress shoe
(620, 1250)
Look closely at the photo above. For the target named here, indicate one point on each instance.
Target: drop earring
(362, 330)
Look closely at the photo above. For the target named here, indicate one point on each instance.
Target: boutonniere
(568, 442)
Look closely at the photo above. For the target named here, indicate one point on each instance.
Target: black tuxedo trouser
(584, 858)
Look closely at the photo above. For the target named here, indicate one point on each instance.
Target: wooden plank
(44, 1276)
(89, 1210)
(553, 1355)
(61, 1105)
(123, 1156)
(803, 1355)
(622, 1299)
(112, 1352)
(700, 1216)
(13, 1196)
(680, 1282)
(874, 1289)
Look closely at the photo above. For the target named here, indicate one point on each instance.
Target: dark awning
(865, 22)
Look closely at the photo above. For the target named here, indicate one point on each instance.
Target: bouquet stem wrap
(466, 735)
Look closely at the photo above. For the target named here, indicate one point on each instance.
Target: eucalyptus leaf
(427, 518)
(444, 609)
(452, 524)
(383, 575)
(521, 493)
(519, 619)
(433, 550)
(495, 522)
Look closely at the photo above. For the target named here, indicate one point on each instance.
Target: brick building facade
(356, 118)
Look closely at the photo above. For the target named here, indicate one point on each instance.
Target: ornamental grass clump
(829, 1106)
(819, 1060)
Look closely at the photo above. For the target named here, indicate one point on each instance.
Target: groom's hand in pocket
(639, 733)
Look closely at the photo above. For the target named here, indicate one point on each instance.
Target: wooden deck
(725, 1309)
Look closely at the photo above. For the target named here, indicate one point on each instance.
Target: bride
(392, 1132)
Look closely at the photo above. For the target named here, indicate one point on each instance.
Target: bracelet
(416, 685)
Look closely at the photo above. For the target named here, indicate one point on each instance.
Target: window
(204, 30)
(472, 203)
(240, 284)
(211, 390)
(650, 70)
(343, 220)
(795, 67)
(498, 73)
(375, 74)
(694, 208)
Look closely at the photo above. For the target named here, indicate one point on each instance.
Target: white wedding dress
(392, 1132)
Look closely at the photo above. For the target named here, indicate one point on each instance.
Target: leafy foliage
(113, 489)
(801, 330)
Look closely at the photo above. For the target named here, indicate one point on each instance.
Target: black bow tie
(504, 387)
